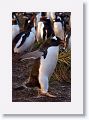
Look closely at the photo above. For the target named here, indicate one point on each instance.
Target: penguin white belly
(15, 31)
(27, 44)
(40, 31)
(52, 15)
(69, 44)
(47, 67)
(58, 30)
(38, 16)
(48, 15)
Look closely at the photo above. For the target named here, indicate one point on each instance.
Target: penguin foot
(48, 95)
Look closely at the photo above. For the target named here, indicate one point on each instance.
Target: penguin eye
(29, 21)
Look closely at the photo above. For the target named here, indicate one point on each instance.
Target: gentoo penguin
(51, 15)
(15, 26)
(47, 29)
(45, 60)
(38, 16)
(58, 28)
(44, 29)
(24, 40)
(66, 18)
(69, 43)
(68, 40)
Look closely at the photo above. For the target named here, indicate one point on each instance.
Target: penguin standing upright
(68, 40)
(44, 29)
(47, 60)
(58, 27)
(26, 39)
(15, 26)
(38, 16)
(51, 16)
(47, 64)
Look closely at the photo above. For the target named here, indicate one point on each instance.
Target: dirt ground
(20, 72)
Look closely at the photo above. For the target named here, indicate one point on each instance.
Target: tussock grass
(65, 57)
(63, 68)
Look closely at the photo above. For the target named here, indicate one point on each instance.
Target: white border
(76, 104)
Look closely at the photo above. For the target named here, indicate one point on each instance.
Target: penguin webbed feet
(47, 94)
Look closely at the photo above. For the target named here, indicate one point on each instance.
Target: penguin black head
(58, 19)
(29, 23)
(48, 30)
(55, 41)
(43, 14)
(48, 21)
(15, 19)
(14, 15)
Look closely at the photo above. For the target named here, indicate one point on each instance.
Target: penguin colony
(53, 30)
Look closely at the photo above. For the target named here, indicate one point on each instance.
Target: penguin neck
(54, 43)
(58, 20)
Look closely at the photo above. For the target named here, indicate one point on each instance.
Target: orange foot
(48, 95)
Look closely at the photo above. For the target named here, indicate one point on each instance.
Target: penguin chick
(15, 28)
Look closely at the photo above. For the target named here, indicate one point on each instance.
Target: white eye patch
(29, 21)
(66, 35)
(58, 17)
(55, 38)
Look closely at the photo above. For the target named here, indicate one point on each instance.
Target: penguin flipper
(32, 55)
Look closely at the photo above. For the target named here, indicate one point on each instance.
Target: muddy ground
(20, 72)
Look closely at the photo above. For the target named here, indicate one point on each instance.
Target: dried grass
(63, 68)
